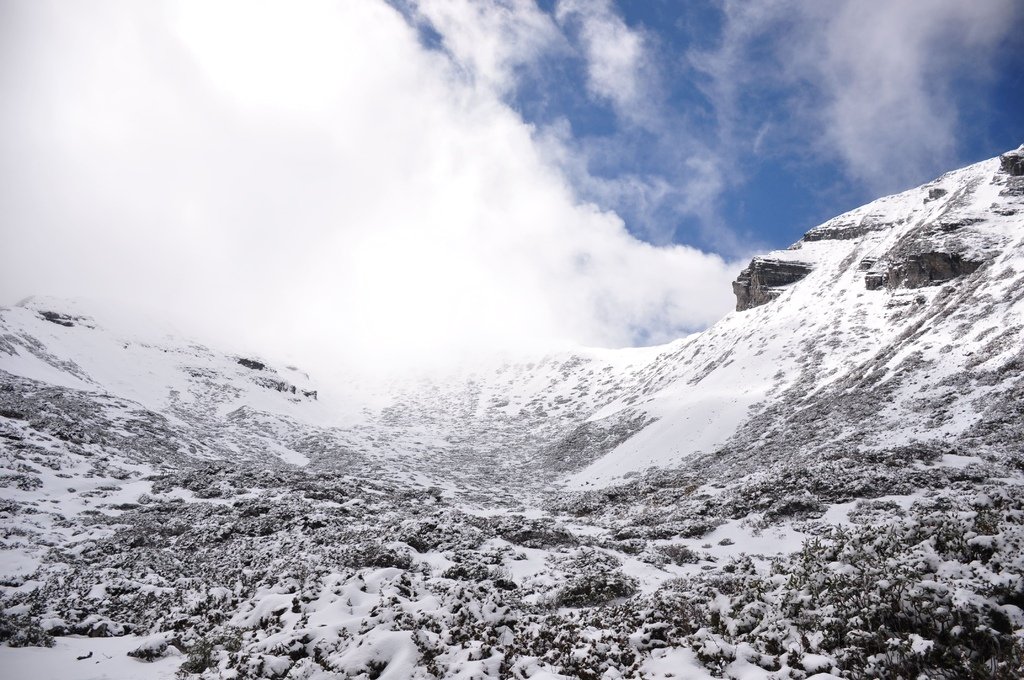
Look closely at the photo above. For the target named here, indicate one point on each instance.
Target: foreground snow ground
(107, 659)
(827, 484)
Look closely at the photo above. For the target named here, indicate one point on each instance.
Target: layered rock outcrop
(918, 270)
(845, 230)
(763, 278)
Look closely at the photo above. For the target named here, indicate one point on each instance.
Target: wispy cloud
(868, 84)
(652, 168)
(887, 73)
(617, 58)
(491, 41)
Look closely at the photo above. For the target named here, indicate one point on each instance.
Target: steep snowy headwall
(898, 315)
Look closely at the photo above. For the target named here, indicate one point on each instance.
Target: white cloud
(651, 167)
(683, 179)
(308, 180)
(616, 55)
(887, 73)
(871, 81)
(493, 39)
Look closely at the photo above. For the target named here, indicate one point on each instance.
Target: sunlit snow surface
(309, 527)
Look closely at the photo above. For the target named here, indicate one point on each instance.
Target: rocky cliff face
(946, 238)
(918, 270)
(762, 281)
(1012, 162)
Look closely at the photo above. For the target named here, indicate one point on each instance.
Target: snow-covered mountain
(597, 513)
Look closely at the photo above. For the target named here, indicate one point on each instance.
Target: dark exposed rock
(759, 283)
(59, 319)
(920, 269)
(875, 280)
(841, 233)
(1014, 187)
(935, 193)
(253, 364)
(953, 225)
(1012, 162)
(844, 231)
(279, 385)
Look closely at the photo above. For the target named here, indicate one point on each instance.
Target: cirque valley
(828, 482)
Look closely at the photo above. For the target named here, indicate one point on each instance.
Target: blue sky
(384, 181)
(781, 173)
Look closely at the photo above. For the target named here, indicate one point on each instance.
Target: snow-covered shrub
(535, 533)
(201, 656)
(677, 553)
(868, 512)
(595, 580)
(23, 631)
(938, 595)
(466, 572)
(380, 556)
(151, 648)
(595, 590)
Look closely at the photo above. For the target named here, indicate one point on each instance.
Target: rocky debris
(934, 194)
(1014, 187)
(283, 387)
(273, 383)
(278, 385)
(761, 281)
(1012, 162)
(919, 270)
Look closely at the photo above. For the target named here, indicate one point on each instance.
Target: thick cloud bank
(308, 177)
